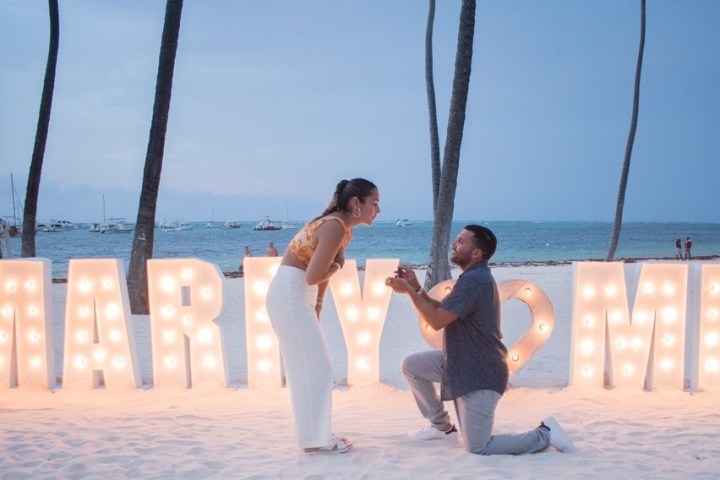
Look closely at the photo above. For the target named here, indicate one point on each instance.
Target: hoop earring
(357, 212)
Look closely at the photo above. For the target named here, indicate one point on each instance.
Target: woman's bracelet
(319, 302)
(420, 290)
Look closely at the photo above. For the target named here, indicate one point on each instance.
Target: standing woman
(295, 300)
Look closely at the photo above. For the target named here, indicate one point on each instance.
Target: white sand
(239, 432)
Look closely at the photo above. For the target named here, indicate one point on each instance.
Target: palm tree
(143, 240)
(432, 108)
(438, 266)
(41, 134)
(630, 141)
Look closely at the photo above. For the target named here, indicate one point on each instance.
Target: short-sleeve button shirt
(474, 355)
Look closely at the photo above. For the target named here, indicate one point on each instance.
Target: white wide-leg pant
(291, 307)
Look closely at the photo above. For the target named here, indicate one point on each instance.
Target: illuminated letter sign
(26, 323)
(263, 350)
(651, 341)
(99, 337)
(185, 299)
(706, 374)
(542, 318)
(362, 315)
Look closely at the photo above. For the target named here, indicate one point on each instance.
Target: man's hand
(404, 281)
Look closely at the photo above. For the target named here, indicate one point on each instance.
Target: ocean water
(518, 242)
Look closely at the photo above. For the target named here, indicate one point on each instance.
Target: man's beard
(457, 259)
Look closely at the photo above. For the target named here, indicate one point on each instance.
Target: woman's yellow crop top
(302, 244)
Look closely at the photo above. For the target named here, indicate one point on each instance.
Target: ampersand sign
(542, 318)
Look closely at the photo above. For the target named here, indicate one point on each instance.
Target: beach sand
(239, 432)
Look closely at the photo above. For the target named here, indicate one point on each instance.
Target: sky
(274, 102)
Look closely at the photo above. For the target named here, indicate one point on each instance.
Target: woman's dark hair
(345, 191)
(484, 240)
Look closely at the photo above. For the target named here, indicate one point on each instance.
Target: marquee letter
(652, 341)
(706, 375)
(362, 315)
(263, 350)
(542, 318)
(185, 299)
(99, 338)
(26, 323)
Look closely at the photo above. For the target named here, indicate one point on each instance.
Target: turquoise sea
(518, 242)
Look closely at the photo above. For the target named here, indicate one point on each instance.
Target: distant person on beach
(471, 368)
(294, 302)
(688, 247)
(678, 249)
(246, 253)
(271, 251)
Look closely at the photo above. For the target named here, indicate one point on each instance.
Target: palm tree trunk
(630, 142)
(41, 134)
(432, 106)
(143, 240)
(439, 267)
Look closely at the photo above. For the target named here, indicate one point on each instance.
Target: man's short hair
(484, 240)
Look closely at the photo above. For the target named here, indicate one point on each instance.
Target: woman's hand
(340, 257)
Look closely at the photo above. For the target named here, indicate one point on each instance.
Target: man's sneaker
(433, 433)
(559, 439)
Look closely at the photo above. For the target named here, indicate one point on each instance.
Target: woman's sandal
(338, 445)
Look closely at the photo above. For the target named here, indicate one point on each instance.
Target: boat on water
(112, 225)
(11, 223)
(44, 227)
(229, 224)
(54, 226)
(403, 222)
(268, 224)
(61, 225)
(175, 226)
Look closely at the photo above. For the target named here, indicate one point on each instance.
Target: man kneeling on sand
(471, 367)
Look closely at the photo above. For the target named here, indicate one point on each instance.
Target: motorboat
(112, 225)
(45, 227)
(268, 224)
(175, 226)
(229, 224)
(54, 226)
(60, 225)
(404, 222)
(116, 225)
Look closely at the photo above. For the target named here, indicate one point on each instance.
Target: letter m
(610, 346)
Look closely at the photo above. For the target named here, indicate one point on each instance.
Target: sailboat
(211, 223)
(13, 228)
(111, 225)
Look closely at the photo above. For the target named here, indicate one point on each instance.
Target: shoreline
(528, 263)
